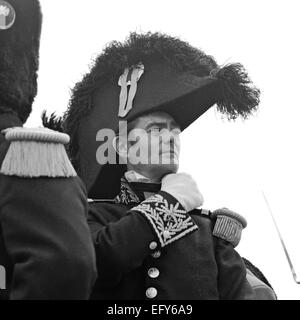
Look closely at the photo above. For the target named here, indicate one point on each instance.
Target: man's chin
(156, 171)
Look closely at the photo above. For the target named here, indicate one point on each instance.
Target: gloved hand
(184, 188)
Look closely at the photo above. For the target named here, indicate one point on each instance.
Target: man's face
(153, 143)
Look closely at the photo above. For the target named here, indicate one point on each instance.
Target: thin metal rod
(282, 242)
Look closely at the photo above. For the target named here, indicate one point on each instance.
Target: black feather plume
(53, 121)
(239, 97)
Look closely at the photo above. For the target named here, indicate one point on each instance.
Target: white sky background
(232, 162)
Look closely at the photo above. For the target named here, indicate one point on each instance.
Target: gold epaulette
(228, 225)
(36, 152)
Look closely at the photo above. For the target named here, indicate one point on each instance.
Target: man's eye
(176, 131)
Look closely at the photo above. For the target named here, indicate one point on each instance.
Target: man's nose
(172, 140)
(169, 140)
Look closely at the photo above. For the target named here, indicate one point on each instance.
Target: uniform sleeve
(47, 237)
(122, 246)
(232, 280)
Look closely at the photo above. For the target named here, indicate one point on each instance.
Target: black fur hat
(170, 76)
(19, 59)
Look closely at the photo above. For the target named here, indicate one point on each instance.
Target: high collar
(135, 192)
(127, 195)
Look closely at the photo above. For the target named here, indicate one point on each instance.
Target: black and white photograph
(149, 152)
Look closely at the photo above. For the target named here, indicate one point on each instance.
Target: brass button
(153, 245)
(153, 273)
(151, 293)
(156, 254)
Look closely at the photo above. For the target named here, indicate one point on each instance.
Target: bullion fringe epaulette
(228, 225)
(36, 152)
(169, 220)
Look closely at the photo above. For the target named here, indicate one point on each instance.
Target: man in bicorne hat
(152, 238)
(46, 250)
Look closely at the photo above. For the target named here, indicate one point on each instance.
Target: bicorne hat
(148, 72)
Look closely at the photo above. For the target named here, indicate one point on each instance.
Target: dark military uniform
(136, 260)
(45, 245)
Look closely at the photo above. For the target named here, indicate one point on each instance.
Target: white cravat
(133, 176)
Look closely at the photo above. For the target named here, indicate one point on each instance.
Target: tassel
(37, 153)
(239, 97)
